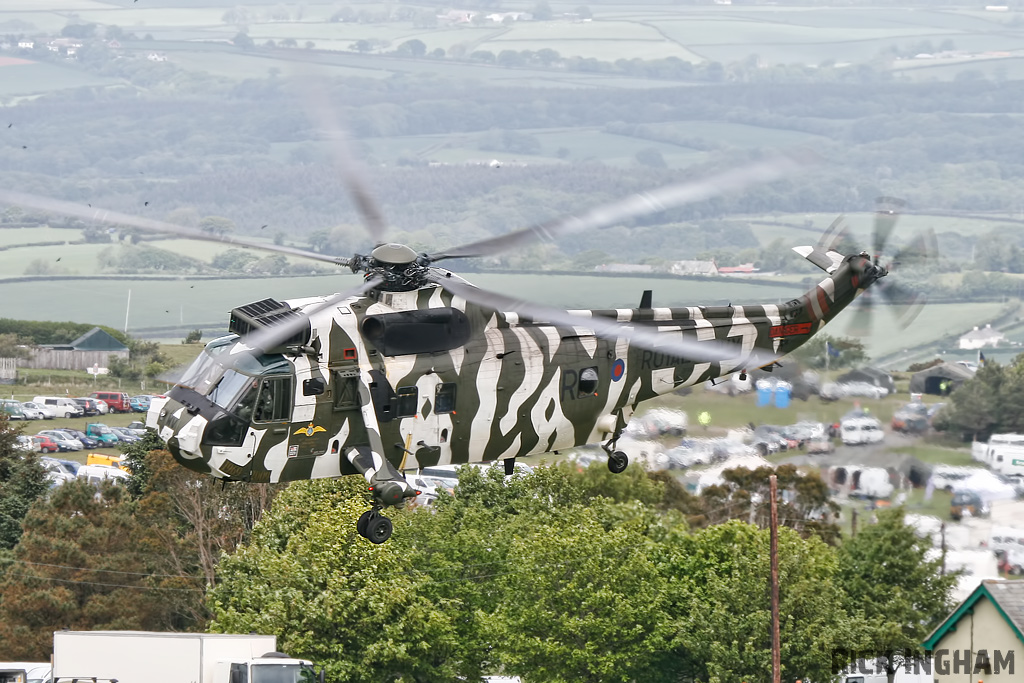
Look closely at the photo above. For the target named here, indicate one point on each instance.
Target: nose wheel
(373, 526)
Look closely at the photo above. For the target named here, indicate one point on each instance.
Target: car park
(64, 441)
(62, 406)
(47, 411)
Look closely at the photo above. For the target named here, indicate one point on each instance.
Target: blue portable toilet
(783, 392)
(765, 389)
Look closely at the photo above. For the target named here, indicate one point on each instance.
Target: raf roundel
(618, 370)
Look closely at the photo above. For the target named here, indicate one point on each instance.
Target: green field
(30, 79)
(15, 236)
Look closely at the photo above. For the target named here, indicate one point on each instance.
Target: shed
(95, 348)
(879, 378)
(930, 380)
(982, 635)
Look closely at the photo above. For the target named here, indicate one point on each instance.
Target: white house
(707, 268)
(981, 337)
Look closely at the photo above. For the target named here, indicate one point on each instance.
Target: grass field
(37, 77)
(15, 236)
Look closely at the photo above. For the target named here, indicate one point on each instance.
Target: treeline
(47, 332)
(990, 402)
(543, 564)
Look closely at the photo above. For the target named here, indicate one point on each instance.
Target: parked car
(89, 407)
(139, 404)
(138, 428)
(48, 412)
(56, 471)
(62, 406)
(87, 441)
(32, 413)
(44, 444)
(124, 436)
(116, 400)
(102, 406)
(97, 474)
(65, 441)
(102, 432)
(24, 443)
(911, 419)
(820, 444)
(967, 503)
(12, 408)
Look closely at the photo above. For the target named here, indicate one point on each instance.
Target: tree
(889, 579)
(975, 407)
(243, 41)
(356, 608)
(412, 48)
(22, 482)
(649, 156)
(79, 565)
(217, 225)
(193, 337)
(591, 610)
(14, 346)
(720, 611)
(542, 11)
(812, 354)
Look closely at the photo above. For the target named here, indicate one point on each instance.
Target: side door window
(275, 400)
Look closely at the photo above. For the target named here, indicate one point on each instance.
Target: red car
(44, 444)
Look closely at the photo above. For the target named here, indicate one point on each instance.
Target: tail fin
(826, 259)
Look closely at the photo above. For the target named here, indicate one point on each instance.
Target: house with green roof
(982, 641)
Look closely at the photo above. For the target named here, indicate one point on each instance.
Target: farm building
(707, 268)
(879, 378)
(979, 639)
(8, 370)
(930, 381)
(95, 348)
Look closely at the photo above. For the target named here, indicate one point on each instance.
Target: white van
(861, 430)
(1005, 454)
(97, 474)
(24, 672)
(62, 406)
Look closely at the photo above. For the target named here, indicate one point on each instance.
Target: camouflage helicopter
(416, 367)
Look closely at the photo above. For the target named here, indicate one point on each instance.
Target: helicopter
(415, 366)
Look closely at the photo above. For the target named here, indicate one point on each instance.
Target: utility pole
(942, 530)
(774, 552)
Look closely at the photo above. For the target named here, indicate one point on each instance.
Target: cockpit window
(230, 387)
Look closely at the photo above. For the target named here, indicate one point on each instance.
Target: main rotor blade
(87, 213)
(886, 215)
(641, 335)
(352, 174)
(921, 249)
(834, 235)
(642, 203)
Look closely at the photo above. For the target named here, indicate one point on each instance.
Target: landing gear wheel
(617, 462)
(364, 519)
(378, 530)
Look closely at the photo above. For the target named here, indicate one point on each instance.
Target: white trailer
(149, 657)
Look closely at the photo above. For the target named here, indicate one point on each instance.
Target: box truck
(148, 657)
